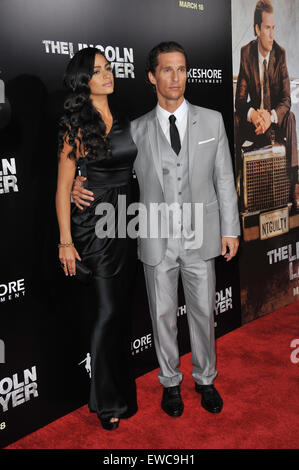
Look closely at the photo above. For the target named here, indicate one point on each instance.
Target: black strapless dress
(113, 262)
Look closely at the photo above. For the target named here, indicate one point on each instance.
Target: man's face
(170, 76)
(265, 33)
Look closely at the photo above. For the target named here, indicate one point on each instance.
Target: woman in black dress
(98, 143)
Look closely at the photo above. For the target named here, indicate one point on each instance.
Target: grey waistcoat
(175, 181)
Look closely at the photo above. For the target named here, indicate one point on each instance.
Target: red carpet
(256, 378)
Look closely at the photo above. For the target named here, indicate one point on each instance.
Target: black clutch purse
(83, 273)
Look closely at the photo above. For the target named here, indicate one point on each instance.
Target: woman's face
(102, 80)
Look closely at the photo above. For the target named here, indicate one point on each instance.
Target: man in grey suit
(183, 158)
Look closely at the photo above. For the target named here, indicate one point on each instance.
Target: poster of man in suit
(265, 76)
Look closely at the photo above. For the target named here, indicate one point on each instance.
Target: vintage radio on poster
(266, 182)
(265, 192)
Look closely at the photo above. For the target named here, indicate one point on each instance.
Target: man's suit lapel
(271, 66)
(196, 133)
(192, 134)
(256, 71)
(152, 124)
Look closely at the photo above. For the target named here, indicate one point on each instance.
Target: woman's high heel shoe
(108, 425)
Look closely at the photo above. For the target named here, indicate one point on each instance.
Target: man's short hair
(152, 59)
(261, 6)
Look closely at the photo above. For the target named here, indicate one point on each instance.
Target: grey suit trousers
(198, 278)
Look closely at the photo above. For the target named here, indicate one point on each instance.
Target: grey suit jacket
(210, 176)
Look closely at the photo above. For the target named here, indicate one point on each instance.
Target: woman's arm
(66, 174)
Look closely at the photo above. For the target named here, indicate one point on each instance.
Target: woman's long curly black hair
(81, 125)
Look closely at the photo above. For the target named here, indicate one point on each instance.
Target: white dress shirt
(181, 114)
(261, 58)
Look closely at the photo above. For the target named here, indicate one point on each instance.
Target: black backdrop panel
(45, 324)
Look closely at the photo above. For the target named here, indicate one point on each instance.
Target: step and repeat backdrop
(44, 322)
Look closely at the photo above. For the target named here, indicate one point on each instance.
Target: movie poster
(266, 112)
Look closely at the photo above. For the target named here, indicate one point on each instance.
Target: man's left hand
(229, 247)
(265, 121)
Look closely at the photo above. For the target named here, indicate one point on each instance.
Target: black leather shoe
(172, 402)
(107, 424)
(211, 400)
